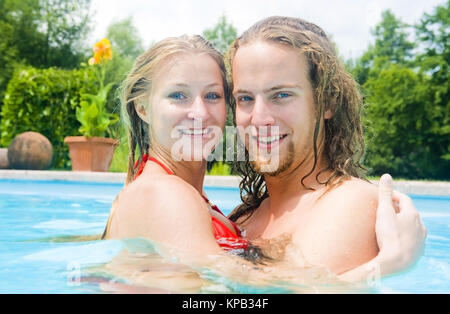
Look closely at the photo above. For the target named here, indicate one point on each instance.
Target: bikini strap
(168, 171)
(139, 165)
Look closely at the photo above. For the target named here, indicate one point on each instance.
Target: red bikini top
(226, 239)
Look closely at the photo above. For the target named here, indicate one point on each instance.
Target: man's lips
(269, 141)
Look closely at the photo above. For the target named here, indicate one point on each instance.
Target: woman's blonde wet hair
(138, 85)
(333, 88)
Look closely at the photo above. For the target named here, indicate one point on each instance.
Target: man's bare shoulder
(341, 233)
(351, 194)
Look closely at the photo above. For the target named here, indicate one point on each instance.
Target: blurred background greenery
(404, 77)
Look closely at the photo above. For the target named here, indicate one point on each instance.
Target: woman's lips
(205, 133)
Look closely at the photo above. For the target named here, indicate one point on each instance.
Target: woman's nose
(199, 110)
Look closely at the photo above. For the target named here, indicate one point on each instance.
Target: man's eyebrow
(274, 88)
(241, 91)
(278, 87)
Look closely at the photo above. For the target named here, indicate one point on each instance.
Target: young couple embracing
(293, 103)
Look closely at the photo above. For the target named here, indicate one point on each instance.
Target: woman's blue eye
(177, 96)
(212, 96)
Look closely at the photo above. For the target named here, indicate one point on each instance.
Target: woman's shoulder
(147, 195)
(158, 185)
(167, 210)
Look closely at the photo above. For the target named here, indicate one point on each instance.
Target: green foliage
(221, 35)
(403, 127)
(120, 158)
(124, 36)
(44, 101)
(126, 45)
(220, 169)
(391, 46)
(92, 114)
(408, 106)
(41, 33)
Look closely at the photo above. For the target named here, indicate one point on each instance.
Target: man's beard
(284, 164)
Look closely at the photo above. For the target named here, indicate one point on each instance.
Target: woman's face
(186, 110)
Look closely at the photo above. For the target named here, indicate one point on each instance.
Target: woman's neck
(192, 172)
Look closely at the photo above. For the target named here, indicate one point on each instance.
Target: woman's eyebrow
(187, 85)
(213, 85)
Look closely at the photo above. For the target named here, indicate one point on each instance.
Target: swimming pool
(33, 212)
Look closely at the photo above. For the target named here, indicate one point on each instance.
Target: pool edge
(409, 187)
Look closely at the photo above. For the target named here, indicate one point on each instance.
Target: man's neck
(288, 185)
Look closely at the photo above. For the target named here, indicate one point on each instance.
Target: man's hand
(400, 236)
(400, 232)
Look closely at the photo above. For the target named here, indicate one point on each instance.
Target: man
(288, 80)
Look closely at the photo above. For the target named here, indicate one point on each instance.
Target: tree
(391, 46)
(407, 98)
(41, 33)
(46, 33)
(64, 26)
(125, 39)
(434, 36)
(221, 35)
(401, 125)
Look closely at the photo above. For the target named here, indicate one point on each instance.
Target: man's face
(272, 89)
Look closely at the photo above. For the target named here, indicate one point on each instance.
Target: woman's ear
(141, 110)
(328, 114)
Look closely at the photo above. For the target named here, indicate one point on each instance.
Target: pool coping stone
(438, 188)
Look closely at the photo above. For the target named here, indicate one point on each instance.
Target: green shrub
(220, 169)
(120, 159)
(44, 101)
(407, 131)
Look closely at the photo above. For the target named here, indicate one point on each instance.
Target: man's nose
(262, 113)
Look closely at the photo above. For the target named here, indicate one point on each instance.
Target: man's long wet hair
(333, 88)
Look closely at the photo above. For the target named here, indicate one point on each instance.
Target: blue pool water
(39, 210)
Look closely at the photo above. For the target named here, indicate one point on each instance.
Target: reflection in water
(144, 267)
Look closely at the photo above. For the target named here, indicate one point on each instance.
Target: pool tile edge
(409, 187)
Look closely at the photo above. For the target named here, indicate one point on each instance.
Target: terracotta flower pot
(91, 154)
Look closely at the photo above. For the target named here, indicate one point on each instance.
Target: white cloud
(348, 21)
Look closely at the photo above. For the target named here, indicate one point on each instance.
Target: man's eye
(244, 98)
(282, 95)
(177, 96)
(213, 96)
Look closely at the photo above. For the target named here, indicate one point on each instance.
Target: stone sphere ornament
(30, 151)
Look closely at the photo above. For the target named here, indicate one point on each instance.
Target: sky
(349, 22)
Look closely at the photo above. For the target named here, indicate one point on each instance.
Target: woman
(176, 93)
